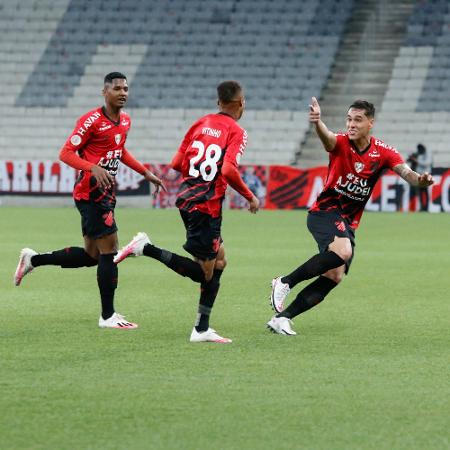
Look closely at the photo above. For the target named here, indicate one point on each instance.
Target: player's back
(204, 150)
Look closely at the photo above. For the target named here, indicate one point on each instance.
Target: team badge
(75, 140)
(359, 167)
(118, 137)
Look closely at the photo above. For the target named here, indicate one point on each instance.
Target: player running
(208, 159)
(357, 161)
(96, 147)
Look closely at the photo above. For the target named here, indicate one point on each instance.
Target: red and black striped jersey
(211, 141)
(97, 140)
(352, 175)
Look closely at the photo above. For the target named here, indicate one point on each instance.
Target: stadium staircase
(362, 68)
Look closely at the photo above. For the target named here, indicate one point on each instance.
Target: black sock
(180, 264)
(70, 257)
(208, 294)
(317, 265)
(107, 275)
(311, 296)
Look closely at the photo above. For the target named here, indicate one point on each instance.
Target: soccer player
(208, 159)
(357, 161)
(96, 147)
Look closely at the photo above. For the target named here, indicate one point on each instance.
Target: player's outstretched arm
(413, 178)
(327, 137)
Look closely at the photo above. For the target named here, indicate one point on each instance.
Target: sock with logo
(309, 297)
(70, 257)
(317, 265)
(107, 276)
(208, 294)
(183, 266)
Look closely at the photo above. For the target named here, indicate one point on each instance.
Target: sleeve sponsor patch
(75, 139)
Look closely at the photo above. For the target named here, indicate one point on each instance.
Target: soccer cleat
(134, 248)
(281, 325)
(209, 335)
(116, 321)
(279, 293)
(24, 265)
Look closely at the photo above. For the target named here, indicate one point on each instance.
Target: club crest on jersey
(359, 167)
(118, 137)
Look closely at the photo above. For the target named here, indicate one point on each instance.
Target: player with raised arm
(356, 162)
(95, 148)
(208, 159)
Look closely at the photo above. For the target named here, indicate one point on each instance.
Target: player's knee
(336, 275)
(208, 273)
(221, 264)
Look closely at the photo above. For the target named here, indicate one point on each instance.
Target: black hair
(227, 91)
(367, 107)
(114, 75)
(421, 149)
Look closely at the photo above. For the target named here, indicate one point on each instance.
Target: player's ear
(371, 123)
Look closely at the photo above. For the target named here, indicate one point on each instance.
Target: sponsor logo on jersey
(75, 139)
(244, 142)
(359, 166)
(104, 127)
(353, 187)
(374, 153)
(125, 122)
(211, 132)
(88, 123)
(117, 138)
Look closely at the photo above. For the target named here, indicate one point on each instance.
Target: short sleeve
(393, 158)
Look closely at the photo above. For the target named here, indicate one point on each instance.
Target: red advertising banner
(277, 187)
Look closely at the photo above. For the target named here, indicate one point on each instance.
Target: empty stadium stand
(174, 53)
(54, 54)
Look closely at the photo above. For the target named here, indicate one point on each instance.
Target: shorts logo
(340, 225)
(216, 245)
(75, 140)
(118, 137)
(108, 218)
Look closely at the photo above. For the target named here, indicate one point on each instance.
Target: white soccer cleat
(134, 248)
(24, 265)
(116, 321)
(279, 293)
(209, 335)
(281, 325)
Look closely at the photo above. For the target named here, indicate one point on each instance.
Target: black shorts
(325, 225)
(97, 220)
(202, 234)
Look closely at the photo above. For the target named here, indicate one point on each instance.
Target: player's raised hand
(104, 179)
(425, 180)
(314, 111)
(157, 182)
(253, 205)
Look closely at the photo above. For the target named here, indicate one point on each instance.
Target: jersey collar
(109, 118)
(360, 152)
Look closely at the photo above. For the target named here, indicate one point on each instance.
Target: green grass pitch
(369, 368)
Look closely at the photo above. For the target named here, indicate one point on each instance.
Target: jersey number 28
(208, 168)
